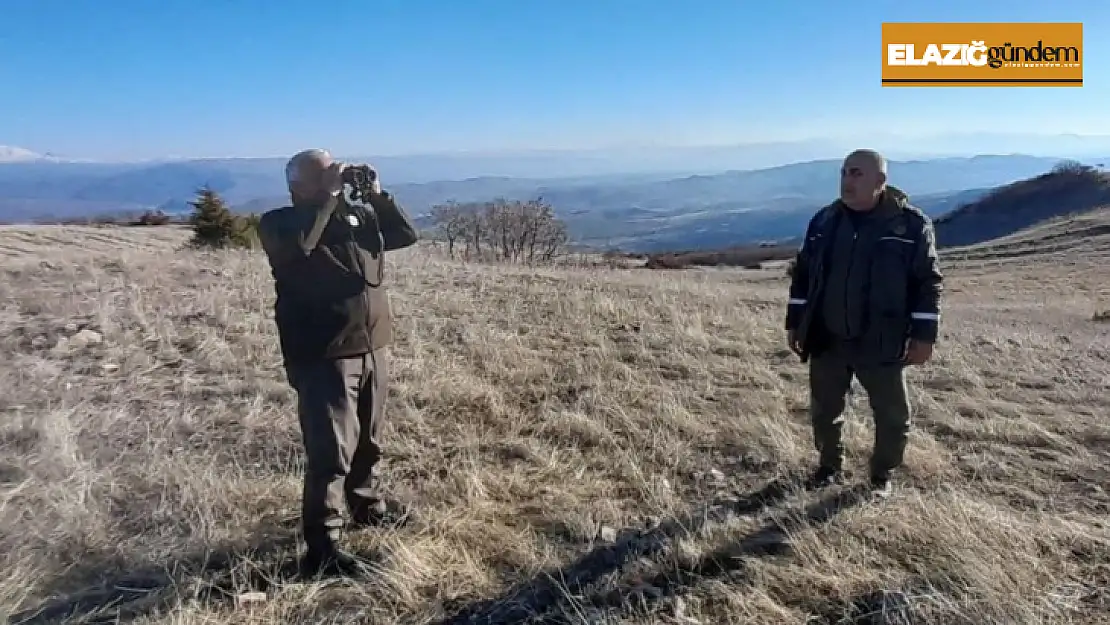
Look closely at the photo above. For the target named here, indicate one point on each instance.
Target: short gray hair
(872, 155)
(295, 167)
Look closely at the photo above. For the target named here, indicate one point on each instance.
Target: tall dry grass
(582, 446)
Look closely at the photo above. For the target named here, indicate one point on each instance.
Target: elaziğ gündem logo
(992, 54)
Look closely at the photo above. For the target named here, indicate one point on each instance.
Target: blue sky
(148, 78)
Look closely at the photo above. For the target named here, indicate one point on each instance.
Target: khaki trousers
(340, 405)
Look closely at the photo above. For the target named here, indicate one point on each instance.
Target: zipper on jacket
(848, 282)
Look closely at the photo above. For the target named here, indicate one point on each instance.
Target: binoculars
(363, 181)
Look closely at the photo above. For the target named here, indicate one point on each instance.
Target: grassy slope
(530, 411)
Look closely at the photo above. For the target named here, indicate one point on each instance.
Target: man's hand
(332, 178)
(375, 181)
(792, 340)
(918, 352)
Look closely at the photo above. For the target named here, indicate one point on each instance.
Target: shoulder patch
(916, 217)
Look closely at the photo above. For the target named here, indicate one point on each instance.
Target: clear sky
(148, 78)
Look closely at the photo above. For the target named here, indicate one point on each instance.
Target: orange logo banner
(934, 54)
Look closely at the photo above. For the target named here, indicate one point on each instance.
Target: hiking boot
(825, 476)
(381, 513)
(881, 486)
(328, 562)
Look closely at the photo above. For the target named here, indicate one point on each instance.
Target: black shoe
(382, 513)
(330, 561)
(825, 476)
(880, 485)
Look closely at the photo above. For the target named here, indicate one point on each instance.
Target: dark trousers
(831, 375)
(340, 404)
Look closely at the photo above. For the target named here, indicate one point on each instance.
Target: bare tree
(503, 230)
(449, 223)
(1071, 166)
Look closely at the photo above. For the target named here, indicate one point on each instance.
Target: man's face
(311, 172)
(861, 182)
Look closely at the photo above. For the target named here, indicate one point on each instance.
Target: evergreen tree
(213, 223)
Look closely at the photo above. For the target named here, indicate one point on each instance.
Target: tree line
(501, 230)
(212, 221)
(154, 217)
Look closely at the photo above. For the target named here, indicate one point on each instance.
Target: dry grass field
(583, 445)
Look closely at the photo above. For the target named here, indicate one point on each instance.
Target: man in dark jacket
(334, 326)
(864, 301)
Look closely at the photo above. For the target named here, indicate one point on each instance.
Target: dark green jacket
(328, 262)
(890, 292)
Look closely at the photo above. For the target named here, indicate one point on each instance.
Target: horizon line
(50, 156)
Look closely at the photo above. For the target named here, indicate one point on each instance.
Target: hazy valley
(641, 211)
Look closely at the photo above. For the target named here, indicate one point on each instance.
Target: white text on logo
(974, 53)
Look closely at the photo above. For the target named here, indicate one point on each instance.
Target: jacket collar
(894, 199)
(892, 202)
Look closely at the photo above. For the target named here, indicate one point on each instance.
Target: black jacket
(903, 281)
(328, 261)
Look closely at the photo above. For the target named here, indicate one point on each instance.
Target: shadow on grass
(553, 590)
(210, 577)
(728, 562)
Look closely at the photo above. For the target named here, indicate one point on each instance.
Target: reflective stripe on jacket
(901, 284)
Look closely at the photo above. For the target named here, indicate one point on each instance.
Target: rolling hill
(1066, 190)
(1083, 235)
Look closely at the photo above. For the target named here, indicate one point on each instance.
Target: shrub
(152, 218)
(214, 225)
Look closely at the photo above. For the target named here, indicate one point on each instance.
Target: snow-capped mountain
(14, 154)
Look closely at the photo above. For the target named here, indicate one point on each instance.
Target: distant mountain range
(642, 211)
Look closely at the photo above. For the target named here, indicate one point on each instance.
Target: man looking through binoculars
(326, 255)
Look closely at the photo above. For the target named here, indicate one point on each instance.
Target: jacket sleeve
(926, 286)
(799, 280)
(283, 244)
(271, 243)
(397, 229)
